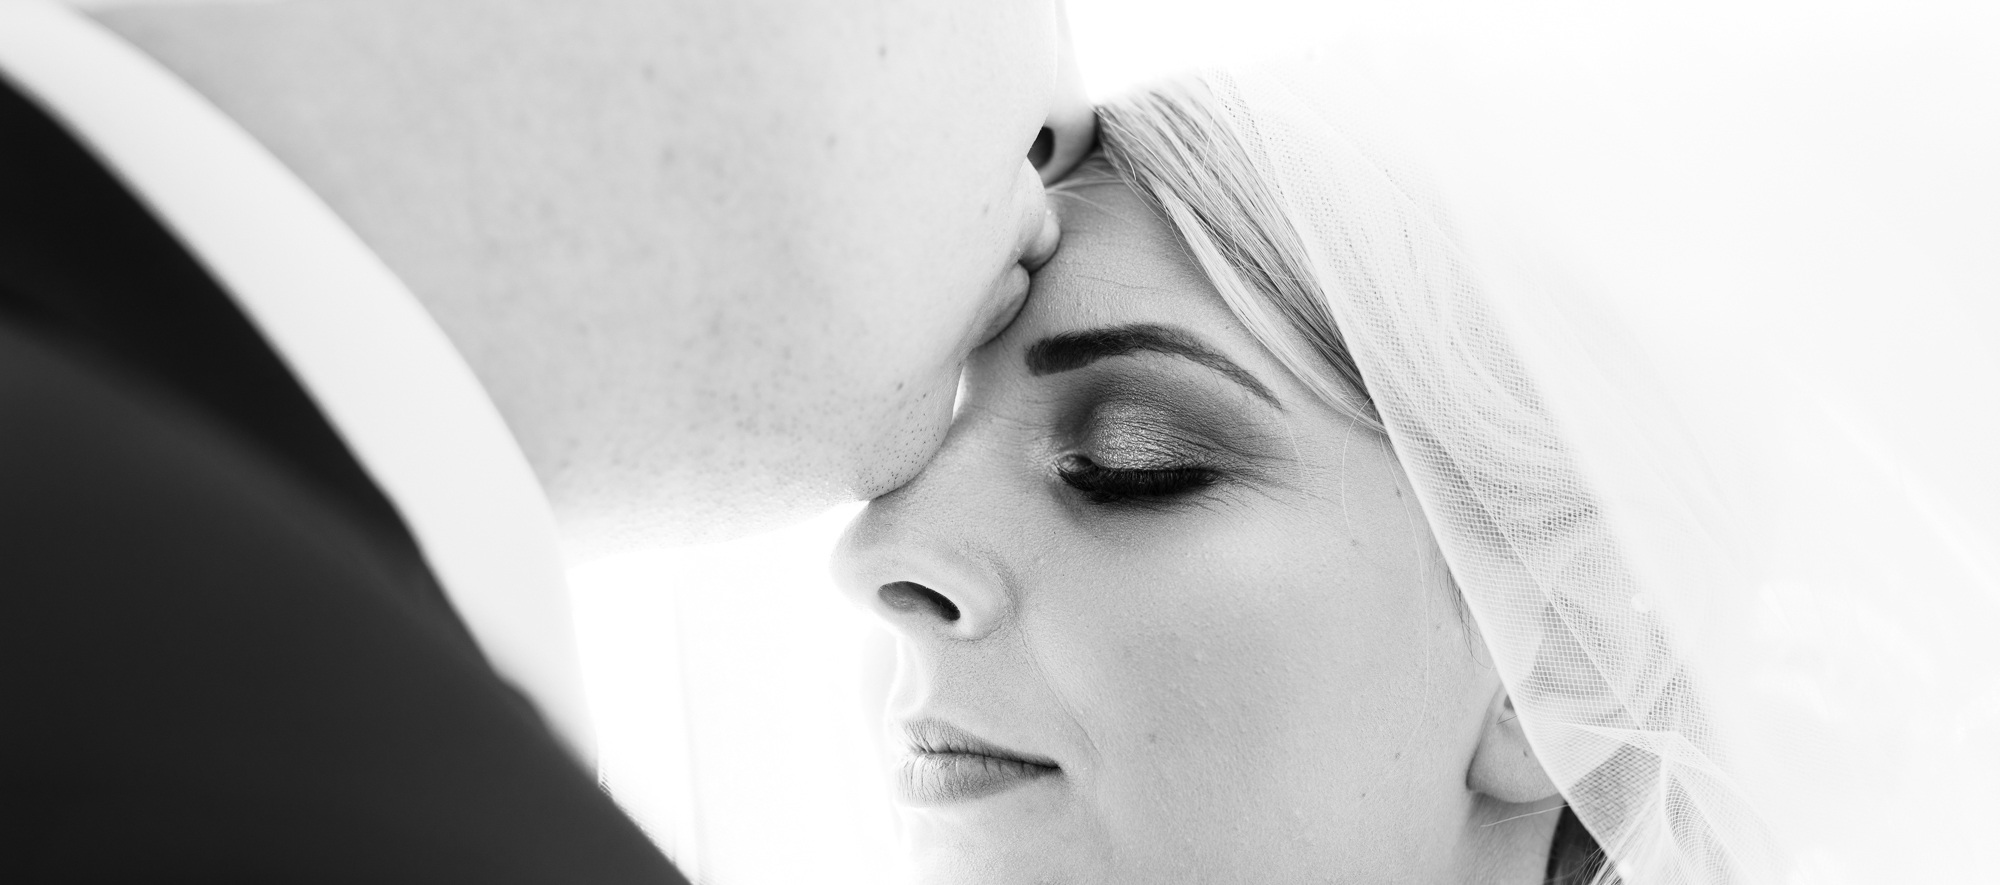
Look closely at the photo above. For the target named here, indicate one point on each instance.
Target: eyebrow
(1074, 350)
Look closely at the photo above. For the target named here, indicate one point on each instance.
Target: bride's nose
(903, 561)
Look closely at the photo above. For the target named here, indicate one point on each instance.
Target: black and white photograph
(999, 442)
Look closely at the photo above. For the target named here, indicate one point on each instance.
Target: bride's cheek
(1159, 637)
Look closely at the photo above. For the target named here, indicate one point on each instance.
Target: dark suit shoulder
(210, 672)
(94, 455)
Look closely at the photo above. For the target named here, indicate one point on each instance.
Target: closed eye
(1111, 485)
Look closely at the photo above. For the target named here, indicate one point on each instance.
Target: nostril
(906, 596)
(1044, 148)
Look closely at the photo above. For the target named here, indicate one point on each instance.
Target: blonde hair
(1169, 143)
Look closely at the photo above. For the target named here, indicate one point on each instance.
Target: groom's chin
(679, 510)
(900, 443)
(732, 474)
(712, 496)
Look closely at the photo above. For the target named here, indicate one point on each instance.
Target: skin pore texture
(1221, 617)
(717, 261)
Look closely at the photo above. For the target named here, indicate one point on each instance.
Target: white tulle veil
(1708, 448)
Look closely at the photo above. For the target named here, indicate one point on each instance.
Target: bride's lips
(947, 764)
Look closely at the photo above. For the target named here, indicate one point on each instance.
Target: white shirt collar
(378, 366)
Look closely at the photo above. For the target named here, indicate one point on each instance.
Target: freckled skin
(1268, 683)
(716, 261)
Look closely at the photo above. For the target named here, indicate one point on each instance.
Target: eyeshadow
(1164, 414)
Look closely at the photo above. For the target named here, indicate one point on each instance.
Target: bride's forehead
(1103, 207)
(1119, 261)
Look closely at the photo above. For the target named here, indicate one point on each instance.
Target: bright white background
(726, 681)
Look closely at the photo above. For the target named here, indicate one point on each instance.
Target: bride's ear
(1504, 767)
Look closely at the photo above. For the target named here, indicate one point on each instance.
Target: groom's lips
(947, 764)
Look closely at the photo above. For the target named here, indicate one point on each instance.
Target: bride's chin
(1019, 836)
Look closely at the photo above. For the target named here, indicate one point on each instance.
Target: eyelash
(1118, 485)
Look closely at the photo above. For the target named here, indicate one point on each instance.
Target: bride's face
(1161, 614)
